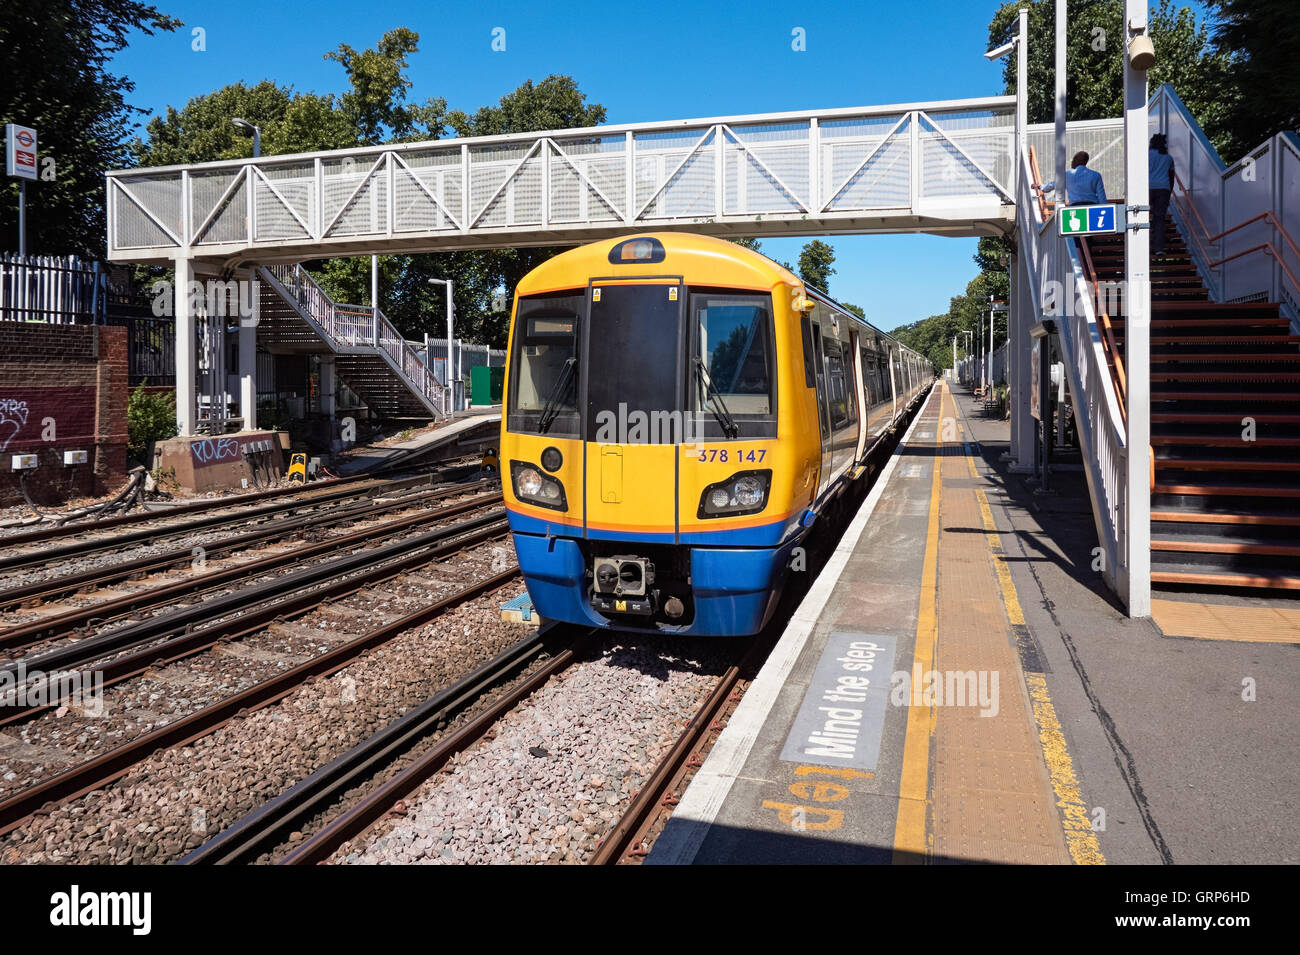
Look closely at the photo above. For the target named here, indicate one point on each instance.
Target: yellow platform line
(912, 842)
(1076, 824)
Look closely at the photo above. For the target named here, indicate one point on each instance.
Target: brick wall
(62, 388)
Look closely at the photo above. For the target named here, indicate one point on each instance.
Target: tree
(202, 130)
(1185, 58)
(54, 59)
(375, 105)
(1262, 40)
(815, 261)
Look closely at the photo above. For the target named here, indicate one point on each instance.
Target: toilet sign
(1089, 220)
(20, 151)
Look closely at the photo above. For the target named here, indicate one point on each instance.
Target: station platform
(959, 686)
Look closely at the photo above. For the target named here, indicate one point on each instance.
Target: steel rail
(103, 769)
(36, 630)
(654, 799)
(240, 601)
(40, 535)
(361, 816)
(269, 825)
(44, 590)
(178, 647)
(34, 558)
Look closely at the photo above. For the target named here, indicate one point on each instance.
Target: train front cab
(684, 524)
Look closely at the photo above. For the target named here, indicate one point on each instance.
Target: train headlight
(742, 493)
(534, 487)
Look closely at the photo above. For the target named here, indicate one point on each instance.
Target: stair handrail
(1046, 256)
(1192, 149)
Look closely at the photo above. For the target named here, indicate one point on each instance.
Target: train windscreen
(544, 373)
(731, 344)
(633, 344)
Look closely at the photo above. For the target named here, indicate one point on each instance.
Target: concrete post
(186, 358)
(248, 359)
(328, 387)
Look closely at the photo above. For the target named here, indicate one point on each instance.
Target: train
(678, 412)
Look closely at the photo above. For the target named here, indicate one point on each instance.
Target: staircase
(371, 357)
(1225, 510)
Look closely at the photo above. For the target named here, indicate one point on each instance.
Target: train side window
(837, 392)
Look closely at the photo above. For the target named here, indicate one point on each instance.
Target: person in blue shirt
(1083, 186)
(1160, 173)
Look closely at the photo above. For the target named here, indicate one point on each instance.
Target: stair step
(1203, 357)
(1227, 490)
(1252, 396)
(1193, 579)
(1206, 546)
(1224, 340)
(1226, 464)
(1236, 517)
(1221, 441)
(1226, 377)
(1193, 417)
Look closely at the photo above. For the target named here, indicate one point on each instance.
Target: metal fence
(59, 290)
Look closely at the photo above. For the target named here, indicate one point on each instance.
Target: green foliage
(1185, 57)
(54, 75)
(375, 106)
(856, 310)
(149, 417)
(1262, 38)
(554, 103)
(815, 265)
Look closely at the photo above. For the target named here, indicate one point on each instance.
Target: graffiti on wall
(32, 418)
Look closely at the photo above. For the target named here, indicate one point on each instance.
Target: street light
(451, 312)
(255, 130)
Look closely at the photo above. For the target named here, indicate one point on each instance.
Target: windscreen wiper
(719, 407)
(560, 389)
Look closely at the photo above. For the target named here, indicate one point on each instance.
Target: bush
(149, 417)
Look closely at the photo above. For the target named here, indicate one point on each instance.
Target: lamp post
(451, 312)
(257, 134)
(1018, 342)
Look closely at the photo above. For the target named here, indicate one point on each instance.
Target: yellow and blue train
(678, 411)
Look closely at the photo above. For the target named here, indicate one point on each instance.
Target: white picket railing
(360, 326)
(1059, 291)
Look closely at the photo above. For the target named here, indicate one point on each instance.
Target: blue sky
(642, 61)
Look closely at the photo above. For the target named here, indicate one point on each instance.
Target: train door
(864, 397)
(893, 383)
(823, 405)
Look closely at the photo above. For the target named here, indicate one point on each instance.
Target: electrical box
(75, 457)
(23, 462)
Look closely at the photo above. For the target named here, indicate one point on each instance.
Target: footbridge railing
(940, 167)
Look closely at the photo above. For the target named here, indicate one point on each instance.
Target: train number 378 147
(725, 455)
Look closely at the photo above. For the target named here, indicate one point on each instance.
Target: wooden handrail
(1108, 333)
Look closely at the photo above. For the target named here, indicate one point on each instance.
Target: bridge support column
(328, 387)
(1137, 327)
(1020, 319)
(248, 358)
(186, 356)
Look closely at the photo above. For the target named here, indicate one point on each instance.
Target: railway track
(102, 769)
(270, 826)
(42, 551)
(210, 584)
(334, 810)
